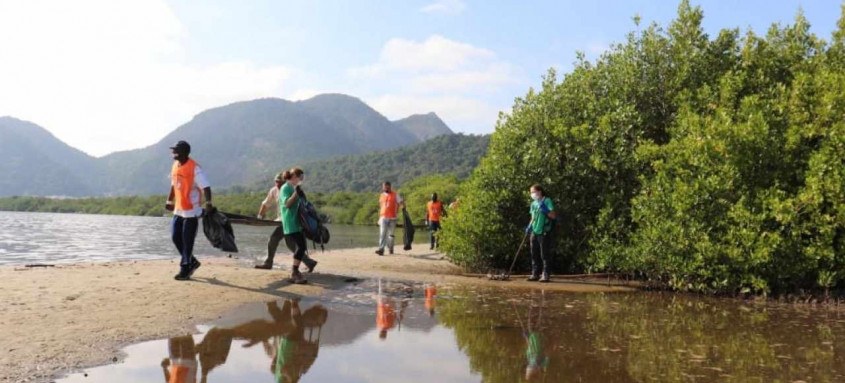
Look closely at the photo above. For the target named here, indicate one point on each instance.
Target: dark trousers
(300, 246)
(433, 227)
(183, 232)
(273, 244)
(539, 255)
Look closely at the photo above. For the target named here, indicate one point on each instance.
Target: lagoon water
(458, 334)
(464, 334)
(55, 238)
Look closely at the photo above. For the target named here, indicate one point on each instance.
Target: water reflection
(291, 340)
(384, 330)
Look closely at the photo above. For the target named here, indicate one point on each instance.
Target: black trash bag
(409, 229)
(218, 230)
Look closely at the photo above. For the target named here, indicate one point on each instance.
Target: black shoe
(310, 264)
(380, 251)
(297, 278)
(264, 266)
(194, 266)
(390, 250)
(182, 277)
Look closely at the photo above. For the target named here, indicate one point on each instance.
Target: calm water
(461, 334)
(71, 238)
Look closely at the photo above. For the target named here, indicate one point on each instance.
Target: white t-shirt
(200, 182)
(271, 202)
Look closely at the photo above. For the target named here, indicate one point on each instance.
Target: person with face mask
(289, 195)
(542, 220)
(186, 181)
(434, 210)
(389, 204)
(271, 202)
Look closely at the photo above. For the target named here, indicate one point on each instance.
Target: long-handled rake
(507, 275)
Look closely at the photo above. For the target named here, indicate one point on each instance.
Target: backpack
(312, 224)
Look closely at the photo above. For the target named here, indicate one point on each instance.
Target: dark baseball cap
(181, 146)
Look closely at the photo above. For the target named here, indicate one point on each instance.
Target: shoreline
(61, 319)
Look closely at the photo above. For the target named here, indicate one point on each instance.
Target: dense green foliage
(701, 164)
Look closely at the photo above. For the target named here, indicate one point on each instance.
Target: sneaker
(182, 277)
(544, 278)
(310, 264)
(533, 278)
(264, 266)
(380, 251)
(194, 266)
(390, 250)
(297, 278)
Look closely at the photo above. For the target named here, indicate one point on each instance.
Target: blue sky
(108, 75)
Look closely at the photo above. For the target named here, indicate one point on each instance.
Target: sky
(112, 75)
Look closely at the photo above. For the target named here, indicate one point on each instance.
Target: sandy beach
(60, 319)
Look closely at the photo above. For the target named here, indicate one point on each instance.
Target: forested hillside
(456, 154)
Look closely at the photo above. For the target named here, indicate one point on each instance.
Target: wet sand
(56, 320)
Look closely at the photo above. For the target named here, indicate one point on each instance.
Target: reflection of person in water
(536, 351)
(385, 313)
(430, 293)
(292, 352)
(181, 366)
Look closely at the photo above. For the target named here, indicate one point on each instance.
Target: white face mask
(535, 196)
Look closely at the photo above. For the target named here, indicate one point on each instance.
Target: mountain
(455, 153)
(34, 162)
(235, 144)
(424, 126)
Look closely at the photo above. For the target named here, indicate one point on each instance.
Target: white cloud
(458, 81)
(450, 7)
(106, 75)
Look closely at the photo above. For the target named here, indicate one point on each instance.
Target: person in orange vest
(181, 365)
(385, 313)
(430, 294)
(187, 182)
(389, 204)
(434, 212)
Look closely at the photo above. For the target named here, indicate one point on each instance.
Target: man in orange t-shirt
(389, 203)
(434, 210)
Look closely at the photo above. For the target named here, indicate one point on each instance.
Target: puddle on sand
(411, 332)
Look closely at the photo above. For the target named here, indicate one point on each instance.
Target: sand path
(56, 320)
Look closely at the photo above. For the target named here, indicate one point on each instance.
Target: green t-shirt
(290, 221)
(540, 223)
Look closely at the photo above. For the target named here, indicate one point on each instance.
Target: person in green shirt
(289, 205)
(542, 221)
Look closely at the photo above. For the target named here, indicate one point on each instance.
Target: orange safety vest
(385, 315)
(430, 293)
(182, 374)
(435, 209)
(182, 180)
(388, 204)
